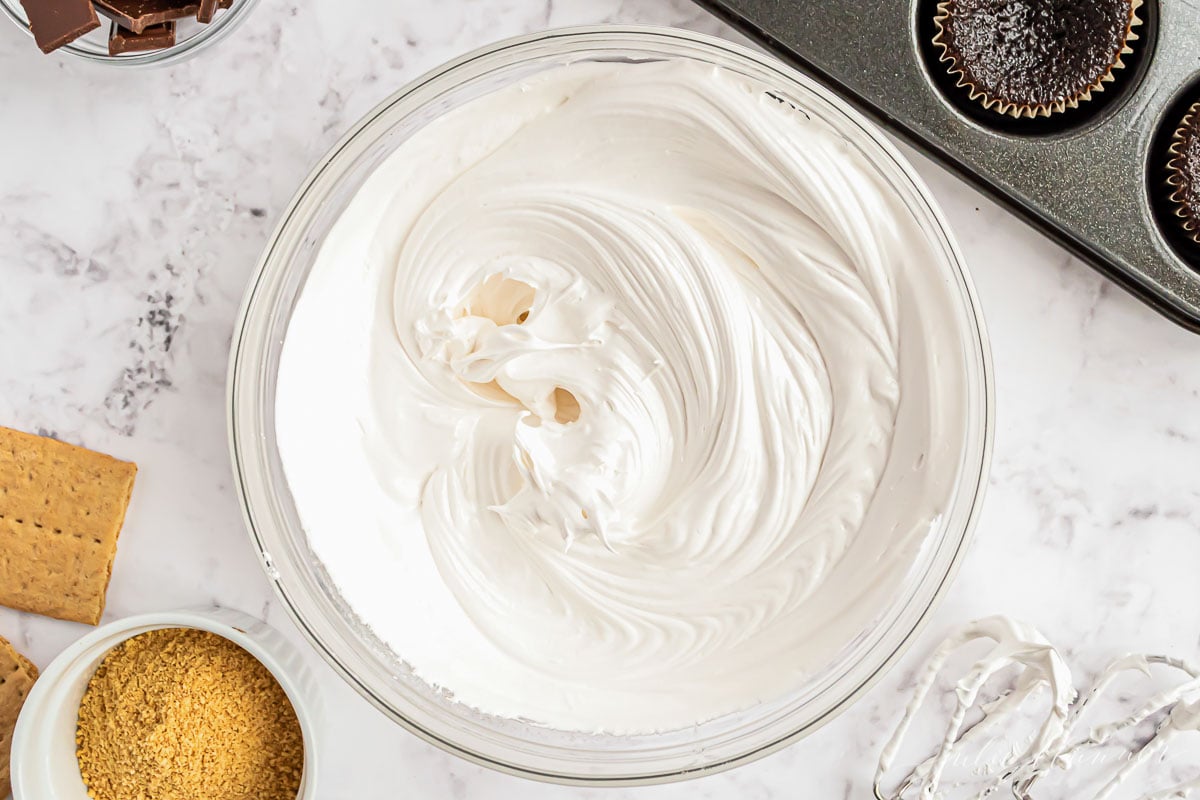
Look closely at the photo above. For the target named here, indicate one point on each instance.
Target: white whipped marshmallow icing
(622, 398)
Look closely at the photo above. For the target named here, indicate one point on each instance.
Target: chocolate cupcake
(1031, 58)
(1183, 172)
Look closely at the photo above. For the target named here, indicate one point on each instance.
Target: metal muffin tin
(1091, 178)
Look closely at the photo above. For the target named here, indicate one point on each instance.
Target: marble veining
(134, 205)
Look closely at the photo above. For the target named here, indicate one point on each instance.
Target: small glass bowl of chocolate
(127, 32)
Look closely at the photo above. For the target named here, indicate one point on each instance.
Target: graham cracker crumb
(179, 714)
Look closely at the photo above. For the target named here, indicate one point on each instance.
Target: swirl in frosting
(588, 402)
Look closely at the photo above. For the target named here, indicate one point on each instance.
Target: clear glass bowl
(313, 600)
(192, 37)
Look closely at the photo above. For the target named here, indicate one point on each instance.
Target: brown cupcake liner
(1190, 220)
(1021, 110)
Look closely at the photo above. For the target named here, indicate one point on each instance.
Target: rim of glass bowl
(206, 35)
(297, 576)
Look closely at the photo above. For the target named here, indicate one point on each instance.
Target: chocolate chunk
(155, 37)
(207, 9)
(137, 15)
(58, 22)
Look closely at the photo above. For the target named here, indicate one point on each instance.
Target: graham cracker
(17, 675)
(61, 510)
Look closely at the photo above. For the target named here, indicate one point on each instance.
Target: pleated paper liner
(1183, 172)
(990, 98)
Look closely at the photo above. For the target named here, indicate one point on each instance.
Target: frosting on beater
(590, 405)
(1062, 739)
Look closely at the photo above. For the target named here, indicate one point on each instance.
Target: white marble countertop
(134, 204)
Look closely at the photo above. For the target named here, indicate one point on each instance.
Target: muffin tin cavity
(1084, 175)
(1089, 112)
(1157, 190)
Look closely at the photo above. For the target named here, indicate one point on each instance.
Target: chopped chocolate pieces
(58, 22)
(155, 37)
(138, 25)
(137, 15)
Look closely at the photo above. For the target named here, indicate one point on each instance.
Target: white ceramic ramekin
(43, 748)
